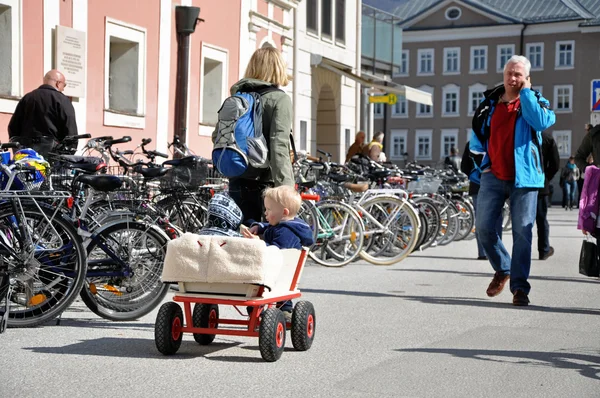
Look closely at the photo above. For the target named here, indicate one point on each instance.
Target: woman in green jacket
(266, 71)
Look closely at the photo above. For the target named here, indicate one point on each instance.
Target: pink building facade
(131, 60)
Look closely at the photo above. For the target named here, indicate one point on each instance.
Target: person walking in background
(453, 161)
(569, 176)
(374, 149)
(44, 116)
(467, 167)
(551, 159)
(266, 72)
(357, 147)
(505, 149)
(588, 127)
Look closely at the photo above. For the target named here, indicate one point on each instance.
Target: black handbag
(588, 259)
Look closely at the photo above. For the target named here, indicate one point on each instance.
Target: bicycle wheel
(45, 264)
(391, 227)
(341, 234)
(125, 262)
(450, 225)
(466, 218)
(309, 214)
(428, 208)
(189, 214)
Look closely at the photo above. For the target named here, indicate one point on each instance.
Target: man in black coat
(551, 159)
(45, 116)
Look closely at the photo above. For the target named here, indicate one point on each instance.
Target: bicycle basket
(188, 176)
(32, 178)
(329, 190)
(424, 185)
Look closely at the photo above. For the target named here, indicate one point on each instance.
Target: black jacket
(466, 166)
(44, 111)
(589, 145)
(551, 160)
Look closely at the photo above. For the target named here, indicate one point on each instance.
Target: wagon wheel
(271, 334)
(303, 325)
(167, 329)
(205, 316)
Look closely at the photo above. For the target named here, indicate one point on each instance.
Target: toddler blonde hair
(268, 65)
(285, 196)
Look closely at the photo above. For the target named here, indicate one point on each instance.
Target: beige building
(457, 49)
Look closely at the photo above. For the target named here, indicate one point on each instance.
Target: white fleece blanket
(218, 259)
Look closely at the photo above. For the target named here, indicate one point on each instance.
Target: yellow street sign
(390, 99)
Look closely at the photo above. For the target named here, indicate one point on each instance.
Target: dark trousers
(543, 229)
(247, 194)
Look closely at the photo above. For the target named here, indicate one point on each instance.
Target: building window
(425, 57)
(423, 144)
(449, 141)
(348, 139)
(425, 110)
(565, 54)
(10, 48)
(125, 80)
(475, 97)
(400, 108)
(478, 59)
(326, 18)
(504, 53)
(563, 142)
(402, 69)
(398, 143)
(563, 98)
(213, 86)
(535, 55)
(303, 135)
(378, 109)
(340, 21)
(538, 88)
(451, 60)
(451, 97)
(453, 13)
(312, 16)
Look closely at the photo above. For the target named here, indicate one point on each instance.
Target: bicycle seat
(179, 162)
(151, 172)
(102, 183)
(88, 164)
(340, 177)
(307, 184)
(377, 174)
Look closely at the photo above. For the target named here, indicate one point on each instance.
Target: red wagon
(265, 321)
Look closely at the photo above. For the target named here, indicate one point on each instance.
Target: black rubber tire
(271, 334)
(201, 317)
(166, 342)
(303, 325)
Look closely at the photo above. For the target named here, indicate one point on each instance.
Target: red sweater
(501, 146)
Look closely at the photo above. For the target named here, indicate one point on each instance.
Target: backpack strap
(293, 144)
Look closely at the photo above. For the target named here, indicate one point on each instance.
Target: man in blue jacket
(506, 148)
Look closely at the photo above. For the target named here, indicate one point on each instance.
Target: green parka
(277, 124)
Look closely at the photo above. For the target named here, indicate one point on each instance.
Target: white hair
(519, 59)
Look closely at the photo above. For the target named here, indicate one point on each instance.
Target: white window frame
(446, 51)
(8, 105)
(557, 55)
(555, 134)
(562, 86)
(378, 106)
(423, 51)
(132, 33)
(429, 115)
(400, 115)
(428, 133)
(538, 88)
(531, 45)
(472, 60)
(407, 71)
(448, 133)
(499, 63)
(475, 88)
(402, 133)
(220, 55)
(451, 89)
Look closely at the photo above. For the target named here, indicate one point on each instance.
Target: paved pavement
(421, 328)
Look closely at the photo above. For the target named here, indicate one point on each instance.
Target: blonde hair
(285, 196)
(268, 65)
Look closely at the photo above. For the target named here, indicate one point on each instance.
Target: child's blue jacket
(291, 234)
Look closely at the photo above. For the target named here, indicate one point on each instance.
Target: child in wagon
(282, 229)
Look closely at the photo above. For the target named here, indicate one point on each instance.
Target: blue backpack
(240, 148)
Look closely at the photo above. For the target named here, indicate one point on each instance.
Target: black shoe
(545, 256)
(520, 299)
(482, 258)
